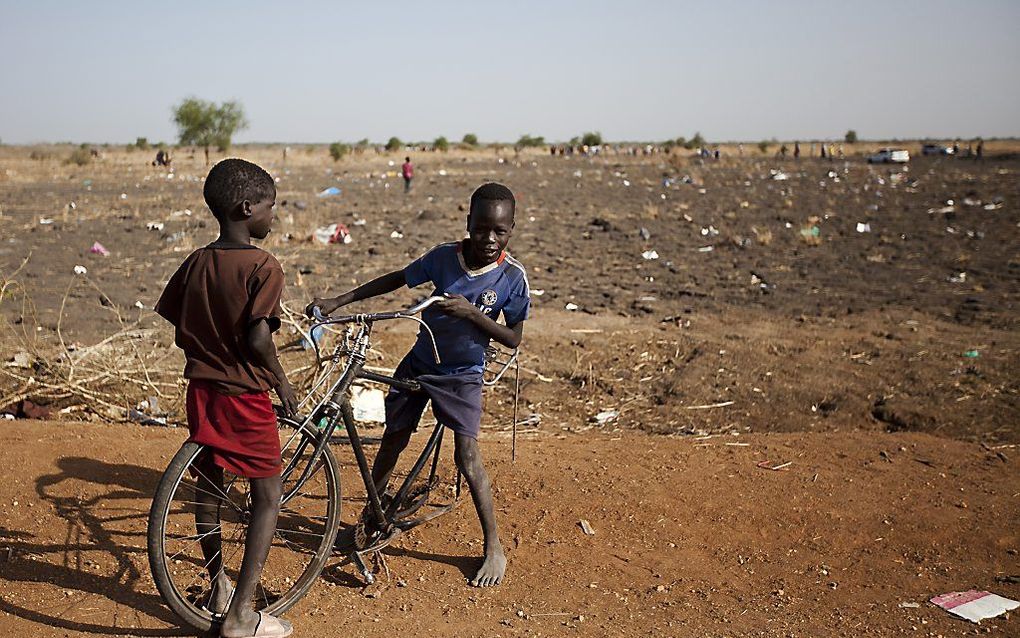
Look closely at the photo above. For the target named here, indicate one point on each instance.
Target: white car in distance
(889, 155)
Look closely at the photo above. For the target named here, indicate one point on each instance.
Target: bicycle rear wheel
(306, 529)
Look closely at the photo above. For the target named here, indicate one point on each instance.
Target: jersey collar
(484, 269)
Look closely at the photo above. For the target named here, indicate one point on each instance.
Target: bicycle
(310, 506)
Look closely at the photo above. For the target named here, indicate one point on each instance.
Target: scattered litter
(332, 191)
(99, 249)
(571, 306)
(145, 419)
(21, 360)
(711, 230)
(767, 465)
(586, 527)
(945, 209)
(709, 406)
(154, 226)
(45, 221)
(396, 234)
(863, 227)
(80, 270)
(958, 278)
(993, 206)
(974, 605)
(650, 254)
(369, 404)
(531, 420)
(442, 172)
(606, 416)
(360, 222)
(332, 234)
(179, 235)
(538, 292)
(811, 231)
(181, 213)
(645, 235)
(909, 605)
(706, 249)
(313, 338)
(778, 175)
(971, 201)
(972, 354)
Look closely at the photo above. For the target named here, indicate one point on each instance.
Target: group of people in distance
(224, 304)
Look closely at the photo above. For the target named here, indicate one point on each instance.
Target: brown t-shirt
(212, 300)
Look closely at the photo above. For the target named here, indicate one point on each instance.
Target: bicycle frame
(335, 407)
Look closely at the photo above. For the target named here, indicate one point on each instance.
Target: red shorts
(239, 431)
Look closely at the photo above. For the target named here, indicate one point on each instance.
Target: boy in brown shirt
(224, 303)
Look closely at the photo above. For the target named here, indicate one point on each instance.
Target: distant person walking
(407, 170)
(796, 150)
(979, 151)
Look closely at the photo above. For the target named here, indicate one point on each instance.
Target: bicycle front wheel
(305, 532)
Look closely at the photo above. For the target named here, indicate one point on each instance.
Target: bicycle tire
(177, 598)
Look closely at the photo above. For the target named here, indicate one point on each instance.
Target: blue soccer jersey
(502, 286)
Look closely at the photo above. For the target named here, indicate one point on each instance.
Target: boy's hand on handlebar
(457, 306)
(326, 306)
(287, 398)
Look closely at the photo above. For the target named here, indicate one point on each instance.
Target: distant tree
(527, 140)
(470, 139)
(361, 145)
(394, 144)
(441, 144)
(763, 146)
(338, 149)
(574, 141)
(592, 139)
(205, 124)
(850, 137)
(696, 142)
(142, 143)
(681, 141)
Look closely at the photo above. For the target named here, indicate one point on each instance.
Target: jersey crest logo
(488, 298)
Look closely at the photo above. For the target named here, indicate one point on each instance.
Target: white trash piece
(974, 605)
(368, 404)
(650, 254)
(863, 227)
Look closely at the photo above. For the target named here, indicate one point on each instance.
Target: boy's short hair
(234, 180)
(493, 192)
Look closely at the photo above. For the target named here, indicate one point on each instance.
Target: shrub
(394, 144)
(338, 150)
(763, 146)
(591, 139)
(142, 143)
(681, 141)
(527, 140)
(80, 156)
(441, 144)
(850, 137)
(695, 142)
(470, 139)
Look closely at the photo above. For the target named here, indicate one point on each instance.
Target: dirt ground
(886, 358)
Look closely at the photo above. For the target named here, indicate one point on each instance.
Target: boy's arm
(378, 286)
(260, 343)
(458, 306)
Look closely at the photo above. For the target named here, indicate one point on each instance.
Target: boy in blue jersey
(480, 281)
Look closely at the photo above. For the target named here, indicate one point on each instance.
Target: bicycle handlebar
(406, 313)
(374, 316)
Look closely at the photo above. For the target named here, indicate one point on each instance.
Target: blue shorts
(456, 399)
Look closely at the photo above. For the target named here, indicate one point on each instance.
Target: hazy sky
(632, 69)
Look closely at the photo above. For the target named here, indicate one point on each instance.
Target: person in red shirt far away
(407, 170)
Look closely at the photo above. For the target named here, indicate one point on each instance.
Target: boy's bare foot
(263, 626)
(491, 572)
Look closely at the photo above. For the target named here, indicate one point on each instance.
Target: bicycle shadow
(108, 525)
(342, 572)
